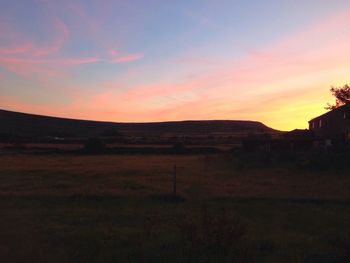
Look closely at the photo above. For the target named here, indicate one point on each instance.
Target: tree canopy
(342, 96)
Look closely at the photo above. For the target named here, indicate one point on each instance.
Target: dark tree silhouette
(342, 96)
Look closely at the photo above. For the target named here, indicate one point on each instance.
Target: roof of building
(330, 112)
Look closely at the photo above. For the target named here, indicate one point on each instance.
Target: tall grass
(210, 237)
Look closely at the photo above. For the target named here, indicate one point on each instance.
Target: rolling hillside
(23, 124)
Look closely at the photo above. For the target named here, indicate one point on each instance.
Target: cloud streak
(283, 83)
(127, 58)
(290, 72)
(28, 58)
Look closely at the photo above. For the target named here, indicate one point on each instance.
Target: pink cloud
(27, 58)
(297, 56)
(92, 26)
(291, 70)
(113, 52)
(127, 58)
(115, 56)
(16, 49)
(264, 85)
(27, 67)
(62, 34)
(42, 67)
(76, 61)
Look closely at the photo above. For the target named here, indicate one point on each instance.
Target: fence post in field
(174, 180)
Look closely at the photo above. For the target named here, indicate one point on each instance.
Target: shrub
(94, 145)
(179, 147)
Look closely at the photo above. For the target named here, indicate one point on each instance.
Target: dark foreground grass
(118, 209)
(122, 229)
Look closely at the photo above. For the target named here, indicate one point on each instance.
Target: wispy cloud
(61, 36)
(283, 78)
(126, 58)
(282, 83)
(16, 49)
(76, 61)
(26, 58)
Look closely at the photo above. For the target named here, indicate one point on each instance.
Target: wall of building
(332, 125)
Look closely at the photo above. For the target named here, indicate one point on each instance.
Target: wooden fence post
(174, 180)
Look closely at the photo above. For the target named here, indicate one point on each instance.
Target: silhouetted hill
(23, 124)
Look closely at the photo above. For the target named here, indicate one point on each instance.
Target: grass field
(67, 208)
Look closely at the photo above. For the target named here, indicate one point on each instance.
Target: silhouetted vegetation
(179, 147)
(342, 96)
(94, 145)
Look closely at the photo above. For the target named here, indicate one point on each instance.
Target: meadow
(120, 208)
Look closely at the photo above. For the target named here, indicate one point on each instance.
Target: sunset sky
(267, 60)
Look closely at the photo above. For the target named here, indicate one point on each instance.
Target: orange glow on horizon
(77, 67)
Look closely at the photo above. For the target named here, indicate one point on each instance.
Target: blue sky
(173, 60)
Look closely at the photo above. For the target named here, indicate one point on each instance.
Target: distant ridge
(24, 124)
